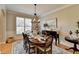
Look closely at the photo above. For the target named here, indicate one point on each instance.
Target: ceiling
(42, 9)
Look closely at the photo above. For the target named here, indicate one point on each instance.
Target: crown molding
(19, 13)
(56, 10)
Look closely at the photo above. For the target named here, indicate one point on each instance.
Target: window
(23, 24)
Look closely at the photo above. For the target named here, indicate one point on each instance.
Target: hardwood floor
(6, 48)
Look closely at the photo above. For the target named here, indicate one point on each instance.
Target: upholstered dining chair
(47, 48)
(28, 45)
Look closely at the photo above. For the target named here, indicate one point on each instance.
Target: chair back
(48, 41)
(23, 35)
(25, 39)
(48, 44)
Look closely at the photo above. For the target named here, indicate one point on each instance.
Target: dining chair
(48, 46)
(28, 45)
(24, 42)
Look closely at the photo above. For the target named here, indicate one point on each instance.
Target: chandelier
(35, 10)
(35, 19)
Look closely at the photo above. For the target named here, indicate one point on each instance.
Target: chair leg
(51, 51)
(29, 49)
(56, 41)
(26, 49)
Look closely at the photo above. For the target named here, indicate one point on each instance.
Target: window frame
(24, 24)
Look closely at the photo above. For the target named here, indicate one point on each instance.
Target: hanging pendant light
(35, 15)
(35, 10)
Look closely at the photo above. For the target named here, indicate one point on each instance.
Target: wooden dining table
(35, 40)
(75, 41)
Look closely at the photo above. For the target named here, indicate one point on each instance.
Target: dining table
(74, 40)
(38, 40)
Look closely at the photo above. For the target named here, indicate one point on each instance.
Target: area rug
(17, 48)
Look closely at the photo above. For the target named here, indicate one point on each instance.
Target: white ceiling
(42, 9)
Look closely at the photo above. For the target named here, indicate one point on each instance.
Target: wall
(67, 19)
(11, 23)
(2, 23)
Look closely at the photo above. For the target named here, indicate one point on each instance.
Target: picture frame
(52, 23)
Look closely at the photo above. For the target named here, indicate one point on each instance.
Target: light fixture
(35, 19)
(35, 10)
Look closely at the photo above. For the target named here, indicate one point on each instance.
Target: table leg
(74, 48)
(56, 41)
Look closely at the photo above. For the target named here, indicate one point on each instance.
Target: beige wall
(11, 23)
(67, 19)
(2, 23)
